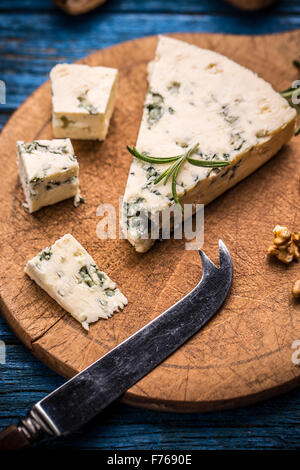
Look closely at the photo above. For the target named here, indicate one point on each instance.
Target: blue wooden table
(34, 36)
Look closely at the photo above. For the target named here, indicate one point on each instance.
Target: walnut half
(285, 244)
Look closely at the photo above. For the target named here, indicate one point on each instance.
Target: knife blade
(85, 395)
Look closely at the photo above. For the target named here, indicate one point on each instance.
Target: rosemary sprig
(288, 94)
(177, 162)
(147, 158)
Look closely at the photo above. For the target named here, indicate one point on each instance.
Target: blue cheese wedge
(48, 171)
(199, 96)
(83, 100)
(69, 275)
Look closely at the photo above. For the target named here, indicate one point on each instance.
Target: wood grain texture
(78, 7)
(133, 5)
(31, 42)
(24, 380)
(245, 353)
(274, 424)
(152, 6)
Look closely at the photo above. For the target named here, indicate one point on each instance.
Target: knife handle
(31, 429)
(13, 438)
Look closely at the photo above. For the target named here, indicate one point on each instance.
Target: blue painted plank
(151, 6)
(30, 45)
(272, 425)
(6, 333)
(4, 116)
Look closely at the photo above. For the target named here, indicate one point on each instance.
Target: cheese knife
(85, 395)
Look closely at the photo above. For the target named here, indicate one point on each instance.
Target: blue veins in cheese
(49, 172)
(70, 276)
(200, 96)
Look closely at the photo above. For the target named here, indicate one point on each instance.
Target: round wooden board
(241, 356)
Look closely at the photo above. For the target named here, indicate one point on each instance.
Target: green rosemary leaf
(192, 150)
(162, 176)
(177, 163)
(207, 163)
(166, 174)
(283, 92)
(175, 174)
(147, 158)
(174, 183)
(289, 92)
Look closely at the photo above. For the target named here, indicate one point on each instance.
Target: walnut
(251, 4)
(281, 234)
(286, 245)
(296, 289)
(77, 7)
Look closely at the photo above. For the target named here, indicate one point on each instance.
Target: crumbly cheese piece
(199, 96)
(83, 100)
(48, 171)
(69, 275)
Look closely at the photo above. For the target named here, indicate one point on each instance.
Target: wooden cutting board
(244, 354)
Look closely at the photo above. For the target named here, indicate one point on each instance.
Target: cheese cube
(69, 275)
(83, 100)
(48, 172)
